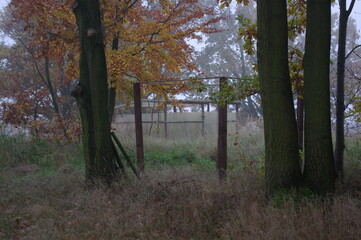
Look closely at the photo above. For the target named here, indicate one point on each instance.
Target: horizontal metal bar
(162, 122)
(178, 102)
(188, 79)
(178, 84)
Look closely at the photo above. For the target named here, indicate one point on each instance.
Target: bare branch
(35, 63)
(352, 51)
(349, 10)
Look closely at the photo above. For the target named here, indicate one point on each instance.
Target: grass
(245, 149)
(43, 196)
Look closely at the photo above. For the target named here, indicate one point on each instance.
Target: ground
(45, 197)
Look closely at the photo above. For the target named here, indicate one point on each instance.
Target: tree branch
(35, 63)
(353, 50)
(349, 10)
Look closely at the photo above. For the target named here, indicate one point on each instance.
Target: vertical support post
(165, 122)
(203, 118)
(237, 117)
(174, 109)
(208, 107)
(222, 133)
(138, 126)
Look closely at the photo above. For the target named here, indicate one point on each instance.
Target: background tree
(223, 54)
(340, 103)
(151, 38)
(150, 45)
(47, 68)
(319, 171)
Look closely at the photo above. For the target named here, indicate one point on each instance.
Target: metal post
(165, 122)
(203, 118)
(138, 126)
(222, 134)
(237, 117)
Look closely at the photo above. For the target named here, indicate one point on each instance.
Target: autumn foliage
(152, 45)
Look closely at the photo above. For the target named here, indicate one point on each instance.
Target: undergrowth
(23, 155)
(43, 196)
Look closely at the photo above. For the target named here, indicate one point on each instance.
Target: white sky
(3, 3)
(356, 13)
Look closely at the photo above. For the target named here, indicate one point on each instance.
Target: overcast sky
(355, 14)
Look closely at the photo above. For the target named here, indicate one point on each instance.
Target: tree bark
(54, 98)
(51, 88)
(319, 172)
(340, 95)
(92, 94)
(300, 121)
(282, 158)
(112, 90)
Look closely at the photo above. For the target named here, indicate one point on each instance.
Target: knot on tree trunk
(91, 32)
(78, 91)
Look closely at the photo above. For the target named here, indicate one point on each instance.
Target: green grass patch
(35, 156)
(175, 159)
(295, 197)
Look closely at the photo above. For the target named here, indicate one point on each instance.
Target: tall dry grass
(168, 204)
(172, 202)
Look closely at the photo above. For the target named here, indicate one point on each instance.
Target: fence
(178, 124)
(222, 124)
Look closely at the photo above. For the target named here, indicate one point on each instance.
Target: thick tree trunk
(92, 94)
(340, 103)
(282, 158)
(112, 90)
(319, 172)
(300, 122)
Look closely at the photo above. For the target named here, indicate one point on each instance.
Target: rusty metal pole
(237, 117)
(165, 122)
(138, 126)
(222, 134)
(203, 123)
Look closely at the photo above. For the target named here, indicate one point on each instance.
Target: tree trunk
(51, 88)
(282, 158)
(300, 118)
(54, 98)
(92, 94)
(251, 109)
(112, 90)
(319, 172)
(340, 103)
